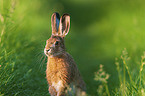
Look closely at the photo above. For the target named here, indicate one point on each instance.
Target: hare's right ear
(64, 25)
(55, 23)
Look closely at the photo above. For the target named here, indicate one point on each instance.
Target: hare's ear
(55, 23)
(64, 25)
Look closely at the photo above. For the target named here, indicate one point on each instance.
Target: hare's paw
(52, 91)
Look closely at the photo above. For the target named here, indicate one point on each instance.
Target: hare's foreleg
(58, 88)
(52, 91)
(61, 91)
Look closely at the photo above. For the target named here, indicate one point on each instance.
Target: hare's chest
(56, 64)
(57, 71)
(57, 85)
(54, 68)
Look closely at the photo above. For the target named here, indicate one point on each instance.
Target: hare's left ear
(55, 23)
(64, 25)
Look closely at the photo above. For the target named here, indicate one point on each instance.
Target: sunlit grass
(102, 77)
(130, 84)
(16, 63)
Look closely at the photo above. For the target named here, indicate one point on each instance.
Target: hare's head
(60, 28)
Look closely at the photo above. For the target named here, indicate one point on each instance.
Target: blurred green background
(100, 30)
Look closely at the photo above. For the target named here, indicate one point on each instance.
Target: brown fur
(61, 69)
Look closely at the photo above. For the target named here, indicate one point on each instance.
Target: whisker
(39, 57)
(41, 64)
(43, 61)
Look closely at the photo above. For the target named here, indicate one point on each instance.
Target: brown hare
(62, 73)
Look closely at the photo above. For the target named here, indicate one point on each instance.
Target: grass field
(106, 40)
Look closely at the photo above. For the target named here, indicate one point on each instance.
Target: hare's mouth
(47, 51)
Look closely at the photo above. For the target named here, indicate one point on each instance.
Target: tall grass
(130, 83)
(15, 60)
(7, 56)
(102, 77)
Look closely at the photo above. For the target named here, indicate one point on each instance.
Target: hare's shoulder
(69, 58)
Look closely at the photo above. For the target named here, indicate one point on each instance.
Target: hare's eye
(56, 43)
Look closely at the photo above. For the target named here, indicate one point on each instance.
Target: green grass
(100, 30)
(130, 83)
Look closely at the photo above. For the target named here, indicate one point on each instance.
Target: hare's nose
(47, 50)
